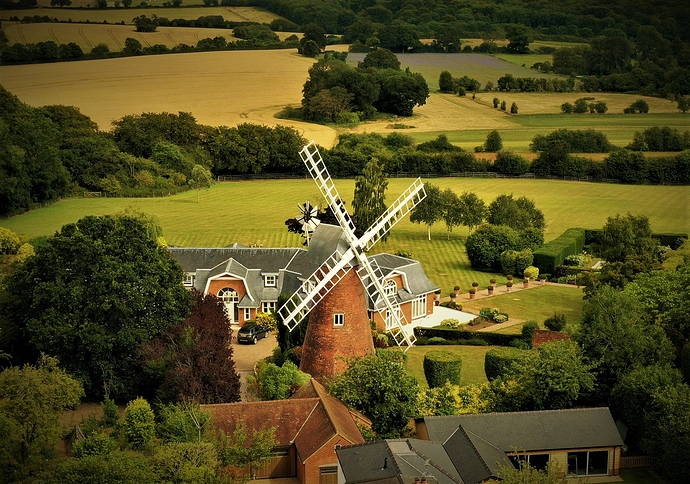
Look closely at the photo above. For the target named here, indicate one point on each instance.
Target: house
(308, 428)
(473, 448)
(249, 280)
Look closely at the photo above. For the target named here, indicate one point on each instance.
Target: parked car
(251, 333)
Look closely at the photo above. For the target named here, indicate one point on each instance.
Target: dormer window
(391, 289)
(188, 279)
(270, 280)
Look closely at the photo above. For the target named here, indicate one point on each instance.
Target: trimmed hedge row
(494, 339)
(441, 367)
(552, 254)
(498, 361)
(674, 241)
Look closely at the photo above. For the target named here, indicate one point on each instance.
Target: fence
(636, 461)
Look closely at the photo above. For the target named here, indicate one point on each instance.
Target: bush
(500, 318)
(494, 339)
(531, 272)
(110, 415)
(437, 340)
(450, 323)
(98, 443)
(499, 361)
(485, 245)
(515, 262)
(685, 362)
(441, 367)
(528, 331)
(9, 241)
(139, 423)
(552, 254)
(556, 322)
(514, 108)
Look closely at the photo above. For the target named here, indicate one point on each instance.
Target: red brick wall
(325, 456)
(541, 336)
(325, 345)
(218, 284)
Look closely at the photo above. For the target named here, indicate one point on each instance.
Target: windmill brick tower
(336, 293)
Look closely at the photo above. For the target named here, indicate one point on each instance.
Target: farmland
(228, 217)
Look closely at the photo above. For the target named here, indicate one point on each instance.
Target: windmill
(308, 218)
(334, 282)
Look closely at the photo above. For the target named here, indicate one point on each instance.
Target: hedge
(552, 254)
(494, 339)
(498, 361)
(665, 239)
(441, 367)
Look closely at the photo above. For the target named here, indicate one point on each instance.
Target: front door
(229, 297)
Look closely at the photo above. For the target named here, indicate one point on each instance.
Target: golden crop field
(87, 36)
(117, 15)
(218, 88)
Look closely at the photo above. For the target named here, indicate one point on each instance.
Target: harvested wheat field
(87, 36)
(218, 88)
(117, 15)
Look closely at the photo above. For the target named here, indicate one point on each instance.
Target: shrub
(552, 254)
(493, 142)
(485, 245)
(580, 106)
(531, 272)
(110, 415)
(567, 108)
(9, 241)
(450, 323)
(514, 108)
(437, 340)
(139, 423)
(497, 339)
(510, 163)
(528, 331)
(500, 318)
(685, 362)
(503, 105)
(441, 367)
(98, 443)
(556, 322)
(499, 361)
(496, 102)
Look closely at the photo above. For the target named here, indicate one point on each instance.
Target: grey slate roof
(532, 431)
(397, 460)
(291, 265)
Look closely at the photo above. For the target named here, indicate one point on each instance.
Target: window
(391, 319)
(338, 319)
(592, 463)
(270, 280)
(390, 289)
(268, 307)
(247, 314)
(538, 461)
(189, 279)
(419, 307)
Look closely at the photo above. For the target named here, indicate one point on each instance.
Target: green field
(472, 362)
(253, 212)
(536, 304)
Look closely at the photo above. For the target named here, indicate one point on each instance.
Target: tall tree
(369, 201)
(192, 360)
(473, 210)
(92, 294)
(430, 210)
(452, 210)
(518, 214)
(378, 386)
(201, 178)
(624, 236)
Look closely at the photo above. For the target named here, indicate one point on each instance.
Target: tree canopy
(369, 201)
(92, 295)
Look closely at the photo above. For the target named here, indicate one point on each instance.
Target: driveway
(246, 356)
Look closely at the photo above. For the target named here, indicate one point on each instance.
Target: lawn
(472, 362)
(536, 304)
(253, 212)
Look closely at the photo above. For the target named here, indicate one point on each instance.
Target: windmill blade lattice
(334, 269)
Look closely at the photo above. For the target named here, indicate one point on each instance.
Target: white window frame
(270, 280)
(189, 279)
(419, 307)
(230, 300)
(390, 323)
(339, 319)
(390, 289)
(268, 307)
(247, 314)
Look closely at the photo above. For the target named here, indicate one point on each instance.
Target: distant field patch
(477, 66)
(89, 35)
(117, 15)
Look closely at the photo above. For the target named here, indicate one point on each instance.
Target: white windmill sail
(338, 264)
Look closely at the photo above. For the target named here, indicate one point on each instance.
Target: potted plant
(491, 290)
(493, 282)
(457, 290)
(509, 286)
(437, 297)
(509, 277)
(453, 296)
(542, 279)
(475, 286)
(525, 282)
(473, 293)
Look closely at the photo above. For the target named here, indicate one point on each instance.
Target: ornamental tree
(92, 295)
(378, 386)
(430, 210)
(369, 201)
(192, 360)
